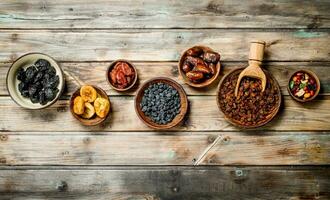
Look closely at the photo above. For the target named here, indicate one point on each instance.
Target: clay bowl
(95, 120)
(261, 123)
(24, 62)
(202, 84)
(109, 79)
(318, 85)
(145, 119)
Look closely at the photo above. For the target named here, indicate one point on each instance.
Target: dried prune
(32, 90)
(30, 74)
(42, 64)
(50, 93)
(21, 74)
(38, 76)
(22, 86)
(51, 71)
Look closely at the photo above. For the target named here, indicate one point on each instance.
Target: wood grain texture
(164, 14)
(264, 148)
(203, 116)
(162, 45)
(175, 183)
(81, 73)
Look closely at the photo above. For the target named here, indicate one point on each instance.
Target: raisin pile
(38, 82)
(161, 102)
(252, 106)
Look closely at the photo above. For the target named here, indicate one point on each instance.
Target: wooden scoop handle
(256, 52)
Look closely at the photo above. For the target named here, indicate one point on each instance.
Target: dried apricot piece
(78, 105)
(89, 111)
(88, 93)
(102, 107)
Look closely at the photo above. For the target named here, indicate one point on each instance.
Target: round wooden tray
(261, 123)
(179, 117)
(94, 120)
(202, 84)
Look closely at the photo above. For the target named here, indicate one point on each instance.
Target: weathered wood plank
(105, 149)
(77, 74)
(203, 116)
(268, 149)
(176, 183)
(162, 45)
(265, 148)
(164, 14)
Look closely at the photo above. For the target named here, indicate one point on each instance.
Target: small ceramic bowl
(109, 79)
(318, 85)
(94, 120)
(206, 82)
(24, 62)
(179, 117)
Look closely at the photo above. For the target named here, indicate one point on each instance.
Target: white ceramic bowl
(12, 81)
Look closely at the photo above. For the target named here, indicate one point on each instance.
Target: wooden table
(47, 154)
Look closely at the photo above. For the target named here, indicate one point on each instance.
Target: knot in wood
(62, 186)
(3, 137)
(239, 172)
(175, 189)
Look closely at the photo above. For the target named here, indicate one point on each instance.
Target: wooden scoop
(254, 70)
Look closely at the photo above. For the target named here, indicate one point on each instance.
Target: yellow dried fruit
(88, 93)
(78, 105)
(89, 111)
(102, 107)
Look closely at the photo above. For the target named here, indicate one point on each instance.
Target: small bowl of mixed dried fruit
(199, 66)
(121, 75)
(303, 85)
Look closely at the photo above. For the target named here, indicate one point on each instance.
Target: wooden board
(108, 148)
(102, 14)
(162, 45)
(204, 115)
(80, 73)
(175, 183)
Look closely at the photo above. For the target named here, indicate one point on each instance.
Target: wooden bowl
(95, 120)
(202, 84)
(318, 85)
(109, 79)
(24, 62)
(261, 123)
(179, 117)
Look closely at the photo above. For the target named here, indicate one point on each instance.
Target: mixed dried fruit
(200, 65)
(38, 82)
(90, 103)
(251, 107)
(161, 102)
(122, 75)
(302, 85)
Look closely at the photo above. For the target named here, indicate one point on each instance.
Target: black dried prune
(42, 97)
(32, 90)
(30, 74)
(34, 99)
(38, 76)
(21, 74)
(50, 94)
(42, 64)
(51, 71)
(53, 82)
(22, 86)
